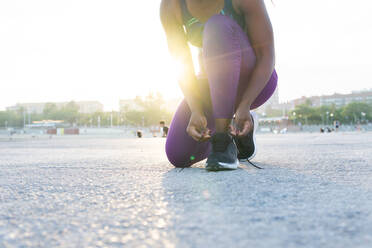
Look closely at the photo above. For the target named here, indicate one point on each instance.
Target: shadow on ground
(274, 207)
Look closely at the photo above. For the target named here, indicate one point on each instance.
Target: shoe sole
(223, 166)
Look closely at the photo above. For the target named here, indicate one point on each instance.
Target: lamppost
(363, 116)
(24, 119)
(111, 125)
(294, 116)
(331, 118)
(327, 115)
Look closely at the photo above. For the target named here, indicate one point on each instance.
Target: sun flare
(174, 70)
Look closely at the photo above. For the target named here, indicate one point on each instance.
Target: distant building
(274, 99)
(170, 105)
(36, 108)
(85, 107)
(89, 107)
(271, 104)
(338, 100)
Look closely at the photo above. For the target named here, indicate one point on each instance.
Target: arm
(179, 49)
(260, 32)
(261, 36)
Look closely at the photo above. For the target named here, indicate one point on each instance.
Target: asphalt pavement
(315, 191)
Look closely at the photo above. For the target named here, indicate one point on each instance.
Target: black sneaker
(224, 153)
(247, 144)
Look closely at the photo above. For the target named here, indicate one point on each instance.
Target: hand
(243, 122)
(197, 127)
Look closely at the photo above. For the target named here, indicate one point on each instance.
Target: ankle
(222, 125)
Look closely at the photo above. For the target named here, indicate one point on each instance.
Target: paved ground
(315, 191)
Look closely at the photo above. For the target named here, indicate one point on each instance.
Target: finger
(205, 138)
(245, 129)
(233, 130)
(194, 134)
(239, 126)
(204, 123)
(206, 135)
(207, 132)
(236, 126)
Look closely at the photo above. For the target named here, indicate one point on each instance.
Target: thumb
(204, 121)
(233, 130)
(245, 129)
(239, 125)
(194, 133)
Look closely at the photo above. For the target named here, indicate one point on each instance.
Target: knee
(179, 161)
(177, 158)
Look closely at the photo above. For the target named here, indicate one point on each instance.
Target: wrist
(245, 105)
(196, 107)
(197, 112)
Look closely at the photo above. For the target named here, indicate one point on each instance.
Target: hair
(162, 122)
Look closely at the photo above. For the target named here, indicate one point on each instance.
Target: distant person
(358, 126)
(237, 45)
(336, 124)
(154, 130)
(164, 129)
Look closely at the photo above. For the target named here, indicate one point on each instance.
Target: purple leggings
(229, 59)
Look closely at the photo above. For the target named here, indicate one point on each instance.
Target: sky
(62, 50)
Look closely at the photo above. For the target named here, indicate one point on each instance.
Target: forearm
(190, 89)
(259, 77)
(260, 34)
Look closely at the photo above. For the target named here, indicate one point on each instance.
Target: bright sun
(174, 68)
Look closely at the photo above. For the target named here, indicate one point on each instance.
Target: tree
(270, 112)
(69, 112)
(303, 113)
(50, 111)
(357, 111)
(308, 102)
(11, 119)
(153, 110)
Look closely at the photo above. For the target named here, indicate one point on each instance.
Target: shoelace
(219, 144)
(256, 166)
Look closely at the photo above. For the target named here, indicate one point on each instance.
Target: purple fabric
(229, 59)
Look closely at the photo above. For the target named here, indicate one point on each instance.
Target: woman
(237, 44)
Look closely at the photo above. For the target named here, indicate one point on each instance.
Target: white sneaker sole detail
(230, 166)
